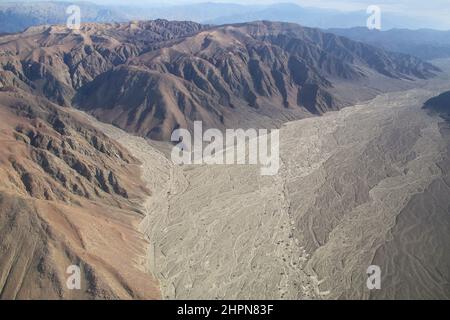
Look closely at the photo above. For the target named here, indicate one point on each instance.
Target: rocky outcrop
(439, 104)
(54, 61)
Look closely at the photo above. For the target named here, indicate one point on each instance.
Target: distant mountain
(287, 12)
(62, 181)
(226, 13)
(17, 16)
(426, 44)
(72, 195)
(198, 12)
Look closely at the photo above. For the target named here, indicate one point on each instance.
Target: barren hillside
(68, 196)
(255, 74)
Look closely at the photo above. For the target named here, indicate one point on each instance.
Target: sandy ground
(350, 177)
(416, 257)
(355, 188)
(218, 232)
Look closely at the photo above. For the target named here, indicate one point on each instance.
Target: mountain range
(153, 77)
(16, 16)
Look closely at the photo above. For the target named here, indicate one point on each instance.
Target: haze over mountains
(426, 44)
(16, 16)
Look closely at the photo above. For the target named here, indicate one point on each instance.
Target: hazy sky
(430, 9)
(435, 6)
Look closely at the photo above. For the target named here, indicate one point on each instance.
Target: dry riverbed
(352, 185)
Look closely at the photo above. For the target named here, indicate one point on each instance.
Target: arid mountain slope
(427, 44)
(152, 77)
(238, 75)
(68, 196)
(54, 61)
(439, 104)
